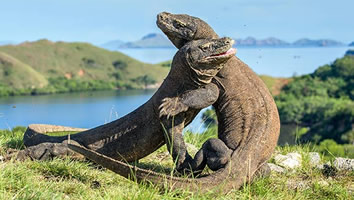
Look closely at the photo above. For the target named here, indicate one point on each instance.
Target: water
(84, 110)
(90, 109)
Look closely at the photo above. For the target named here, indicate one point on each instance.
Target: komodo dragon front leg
(176, 107)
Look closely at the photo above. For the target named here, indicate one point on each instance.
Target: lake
(90, 109)
(84, 109)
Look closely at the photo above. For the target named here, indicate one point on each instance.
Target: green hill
(46, 67)
(18, 75)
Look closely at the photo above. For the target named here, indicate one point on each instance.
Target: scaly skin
(247, 117)
(140, 133)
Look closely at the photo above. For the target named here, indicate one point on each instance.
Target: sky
(100, 21)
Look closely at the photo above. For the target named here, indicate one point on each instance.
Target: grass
(70, 179)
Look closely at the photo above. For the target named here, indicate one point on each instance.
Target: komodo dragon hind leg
(175, 144)
(216, 153)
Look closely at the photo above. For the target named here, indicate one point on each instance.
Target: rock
(2, 158)
(344, 164)
(320, 166)
(315, 158)
(276, 168)
(295, 156)
(297, 185)
(289, 161)
(323, 183)
(329, 170)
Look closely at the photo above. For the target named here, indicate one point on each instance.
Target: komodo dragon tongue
(219, 181)
(213, 182)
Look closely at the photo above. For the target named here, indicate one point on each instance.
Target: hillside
(40, 65)
(275, 84)
(19, 75)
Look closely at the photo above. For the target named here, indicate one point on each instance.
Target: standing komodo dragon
(140, 133)
(248, 122)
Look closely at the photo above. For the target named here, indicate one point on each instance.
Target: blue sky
(99, 21)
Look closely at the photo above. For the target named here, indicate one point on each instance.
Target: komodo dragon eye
(179, 23)
(205, 47)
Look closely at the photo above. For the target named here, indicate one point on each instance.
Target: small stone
(320, 166)
(344, 164)
(323, 183)
(297, 185)
(95, 184)
(276, 168)
(315, 158)
(329, 170)
(289, 161)
(295, 156)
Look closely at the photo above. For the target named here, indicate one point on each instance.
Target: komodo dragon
(140, 133)
(248, 121)
(246, 111)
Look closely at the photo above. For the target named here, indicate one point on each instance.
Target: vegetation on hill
(322, 102)
(46, 67)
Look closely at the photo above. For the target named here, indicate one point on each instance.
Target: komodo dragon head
(181, 29)
(204, 58)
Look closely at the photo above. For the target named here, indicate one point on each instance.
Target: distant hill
(152, 40)
(112, 45)
(319, 43)
(6, 43)
(250, 41)
(350, 52)
(47, 67)
(155, 40)
(351, 44)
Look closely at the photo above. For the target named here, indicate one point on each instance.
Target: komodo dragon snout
(206, 58)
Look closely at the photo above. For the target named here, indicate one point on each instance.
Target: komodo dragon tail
(36, 134)
(233, 176)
